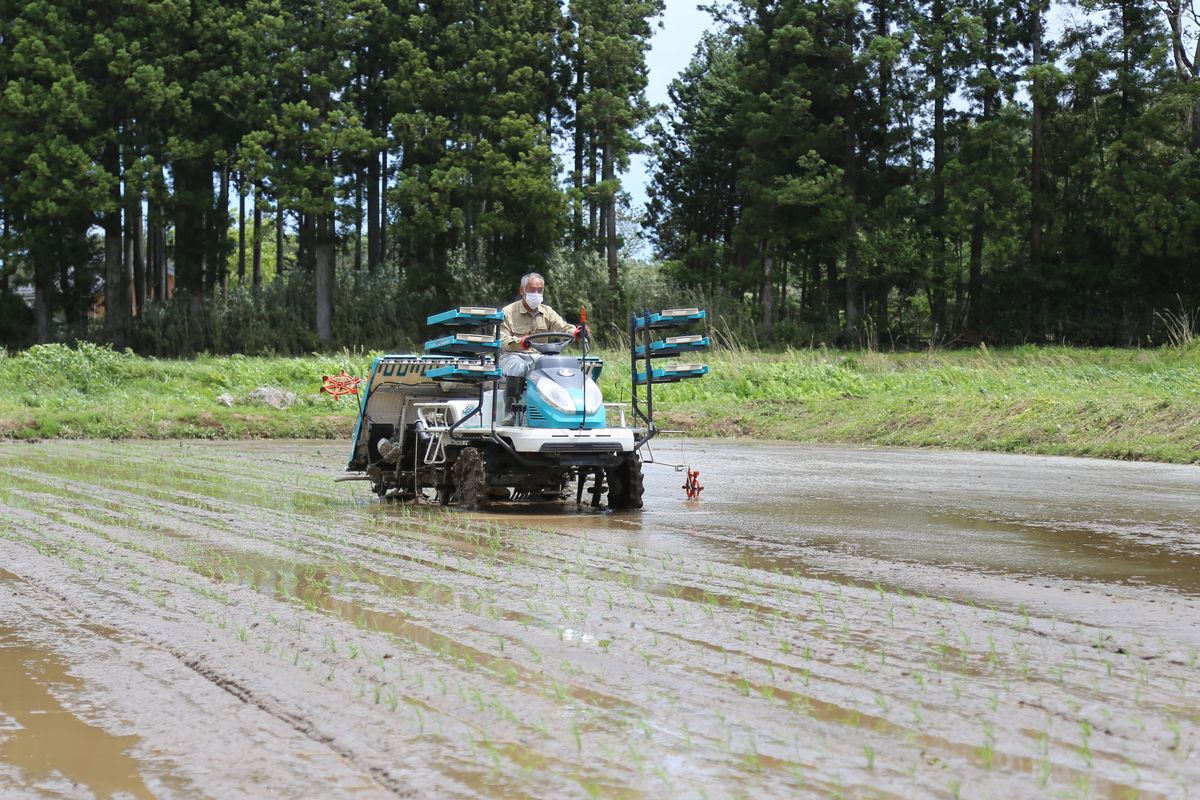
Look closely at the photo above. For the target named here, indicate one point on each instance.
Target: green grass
(1133, 404)
(91, 392)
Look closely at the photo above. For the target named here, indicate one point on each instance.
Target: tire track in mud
(820, 676)
(297, 722)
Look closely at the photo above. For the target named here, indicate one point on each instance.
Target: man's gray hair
(525, 278)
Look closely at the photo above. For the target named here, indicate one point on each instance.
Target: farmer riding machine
(447, 426)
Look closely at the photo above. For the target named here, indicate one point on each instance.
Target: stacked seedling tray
(645, 349)
(475, 344)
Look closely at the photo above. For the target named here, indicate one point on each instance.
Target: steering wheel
(549, 343)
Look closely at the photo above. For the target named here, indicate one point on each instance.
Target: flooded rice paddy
(222, 620)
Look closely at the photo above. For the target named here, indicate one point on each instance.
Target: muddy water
(48, 743)
(824, 622)
(995, 528)
(790, 505)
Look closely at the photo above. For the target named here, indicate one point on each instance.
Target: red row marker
(338, 385)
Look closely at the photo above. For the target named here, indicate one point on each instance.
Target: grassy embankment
(1136, 404)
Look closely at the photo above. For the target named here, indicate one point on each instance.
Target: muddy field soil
(221, 619)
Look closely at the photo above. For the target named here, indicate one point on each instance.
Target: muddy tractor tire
(625, 487)
(471, 490)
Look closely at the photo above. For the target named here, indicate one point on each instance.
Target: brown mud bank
(220, 619)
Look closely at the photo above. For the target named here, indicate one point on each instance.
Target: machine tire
(471, 490)
(625, 486)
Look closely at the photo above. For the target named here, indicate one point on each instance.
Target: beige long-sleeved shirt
(520, 321)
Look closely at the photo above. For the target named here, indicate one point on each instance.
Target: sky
(670, 50)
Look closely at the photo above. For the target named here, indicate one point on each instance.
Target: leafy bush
(85, 367)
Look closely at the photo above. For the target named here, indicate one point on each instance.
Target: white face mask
(533, 299)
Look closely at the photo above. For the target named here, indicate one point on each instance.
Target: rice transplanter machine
(447, 426)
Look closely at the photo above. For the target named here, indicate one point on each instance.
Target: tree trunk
(302, 242)
(151, 249)
(374, 217)
(882, 28)
(154, 265)
(593, 207)
(116, 290)
(309, 235)
(139, 255)
(975, 268)
(127, 249)
(278, 239)
(383, 210)
(783, 288)
(156, 235)
(241, 186)
(3, 251)
(610, 215)
(1035, 176)
(164, 268)
(193, 194)
(256, 245)
(850, 183)
(358, 219)
(66, 292)
(470, 213)
(221, 233)
(975, 276)
(323, 257)
(938, 305)
(82, 297)
(768, 284)
(829, 295)
(577, 173)
(877, 305)
(1187, 64)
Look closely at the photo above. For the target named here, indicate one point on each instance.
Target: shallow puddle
(45, 740)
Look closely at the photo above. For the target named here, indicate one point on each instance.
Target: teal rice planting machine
(447, 426)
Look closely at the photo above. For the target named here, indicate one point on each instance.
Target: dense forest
(286, 175)
(939, 166)
(194, 148)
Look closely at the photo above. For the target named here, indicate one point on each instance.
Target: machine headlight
(591, 397)
(555, 395)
